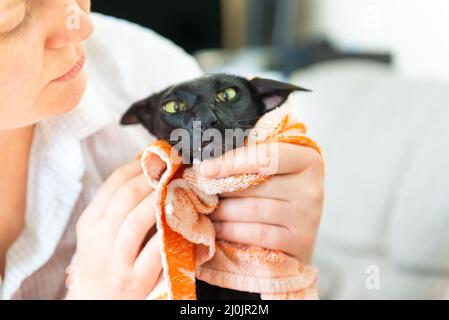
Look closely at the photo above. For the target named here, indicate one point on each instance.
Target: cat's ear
(273, 93)
(132, 115)
(142, 111)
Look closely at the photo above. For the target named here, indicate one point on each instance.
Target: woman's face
(41, 58)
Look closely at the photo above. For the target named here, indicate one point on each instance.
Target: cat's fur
(254, 98)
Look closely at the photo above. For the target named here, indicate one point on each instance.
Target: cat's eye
(226, 95)
(174, 106)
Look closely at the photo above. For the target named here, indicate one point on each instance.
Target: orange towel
(188, 245)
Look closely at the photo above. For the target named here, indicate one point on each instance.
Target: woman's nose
(72, 25)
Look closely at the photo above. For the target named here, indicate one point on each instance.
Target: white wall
(415, 31)
(422, 38)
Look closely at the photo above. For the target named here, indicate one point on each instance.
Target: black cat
(219, 102)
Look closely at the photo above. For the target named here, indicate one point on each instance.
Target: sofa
(385, 141)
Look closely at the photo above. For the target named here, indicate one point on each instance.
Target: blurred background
(379, 70)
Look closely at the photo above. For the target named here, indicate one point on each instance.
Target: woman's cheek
(20, 83)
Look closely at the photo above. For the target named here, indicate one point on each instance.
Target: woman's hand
(283, 213)
(113, 262)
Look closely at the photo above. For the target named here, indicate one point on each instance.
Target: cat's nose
(211, 124)
(210, 119)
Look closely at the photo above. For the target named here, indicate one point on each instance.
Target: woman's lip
(72, 72)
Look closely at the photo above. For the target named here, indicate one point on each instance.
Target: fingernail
(210, 169)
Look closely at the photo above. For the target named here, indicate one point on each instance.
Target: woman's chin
(66, 96)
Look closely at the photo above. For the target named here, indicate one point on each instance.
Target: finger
(270, 158)
(149, 263)
(293, 188)
(282, 187)
(125, 199)
(256, 210)
(256, 234)
(110, 187)
(134, 230)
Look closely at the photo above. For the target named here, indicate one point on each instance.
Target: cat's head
(218, 102)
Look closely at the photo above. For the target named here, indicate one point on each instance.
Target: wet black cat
(219, 102)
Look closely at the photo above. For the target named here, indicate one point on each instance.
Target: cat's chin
(208, 152)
